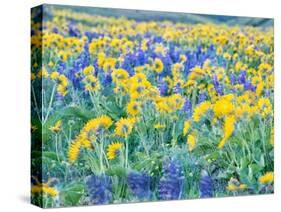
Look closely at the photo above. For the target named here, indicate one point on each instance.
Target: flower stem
(50, 104)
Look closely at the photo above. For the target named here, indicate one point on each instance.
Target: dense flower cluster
(145, 105)
(171, 183)
(100, 189)
(139, 184)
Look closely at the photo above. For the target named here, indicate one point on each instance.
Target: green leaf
(65, 114)
(71, 194)
(116, 171)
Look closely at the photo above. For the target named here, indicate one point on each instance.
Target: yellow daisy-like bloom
(91, 83)
(133, 108)
(186, 127)
(74, 151)
(63, 80)
(223, 107)
(200, 110)
(119, 75)
(57, 127)
(235, 185)
(45, 189)
(54, 75)
(191, 141)
(267, 178)
(61, 90)
(87, 135)
(101, 122)
(113, 150)
(124, 127)
(159, 126)
(33, 76)
(43, 73)
(158, 65)
(229, 126)
(109, 64)
(264, 106)
(89, 70)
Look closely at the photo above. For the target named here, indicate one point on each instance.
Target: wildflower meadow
(133, 106)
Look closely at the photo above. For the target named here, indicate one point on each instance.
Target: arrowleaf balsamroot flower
(223, 106)
(158, 65)
(235, 185)
(186, 127)
(133, 108)
(124, 127)
(191, 141)
(57, 127)
(113, 150)
(229, 126)
(44, 188)
(267, 178)
(87, 135)
(200, 110)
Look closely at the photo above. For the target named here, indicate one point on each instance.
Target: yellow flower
(267, 178)
(119, 75)
(33, 76)
(242, 186)
(124, 127)
(51, 64)
(259, 89)
(264, 106)
(191, 141)
(159, 126)
(91, 83)
(87, 135)
(200, 110)
(61, 90)
(89, 70)
(43, 73)
(223, 107)
(63, 80)
(54, 75)
(158, 65)
(109, 64)
(182, 58)
(113, 150)
(133, 108)
(57, 127)
(231, 187)
(74, 151)
(45, 189)
(229, 125)
(96, 124)
(186, 127)
(235, 185)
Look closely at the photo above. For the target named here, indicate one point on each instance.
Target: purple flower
(202, 97)
(171, 183)
(205, 185)
(177, 88)
(232, 78)
(163, 88)
(242, 77)
(100, 189)
(187, 108)
(218, 87)
(139, 183)
(248, 86)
